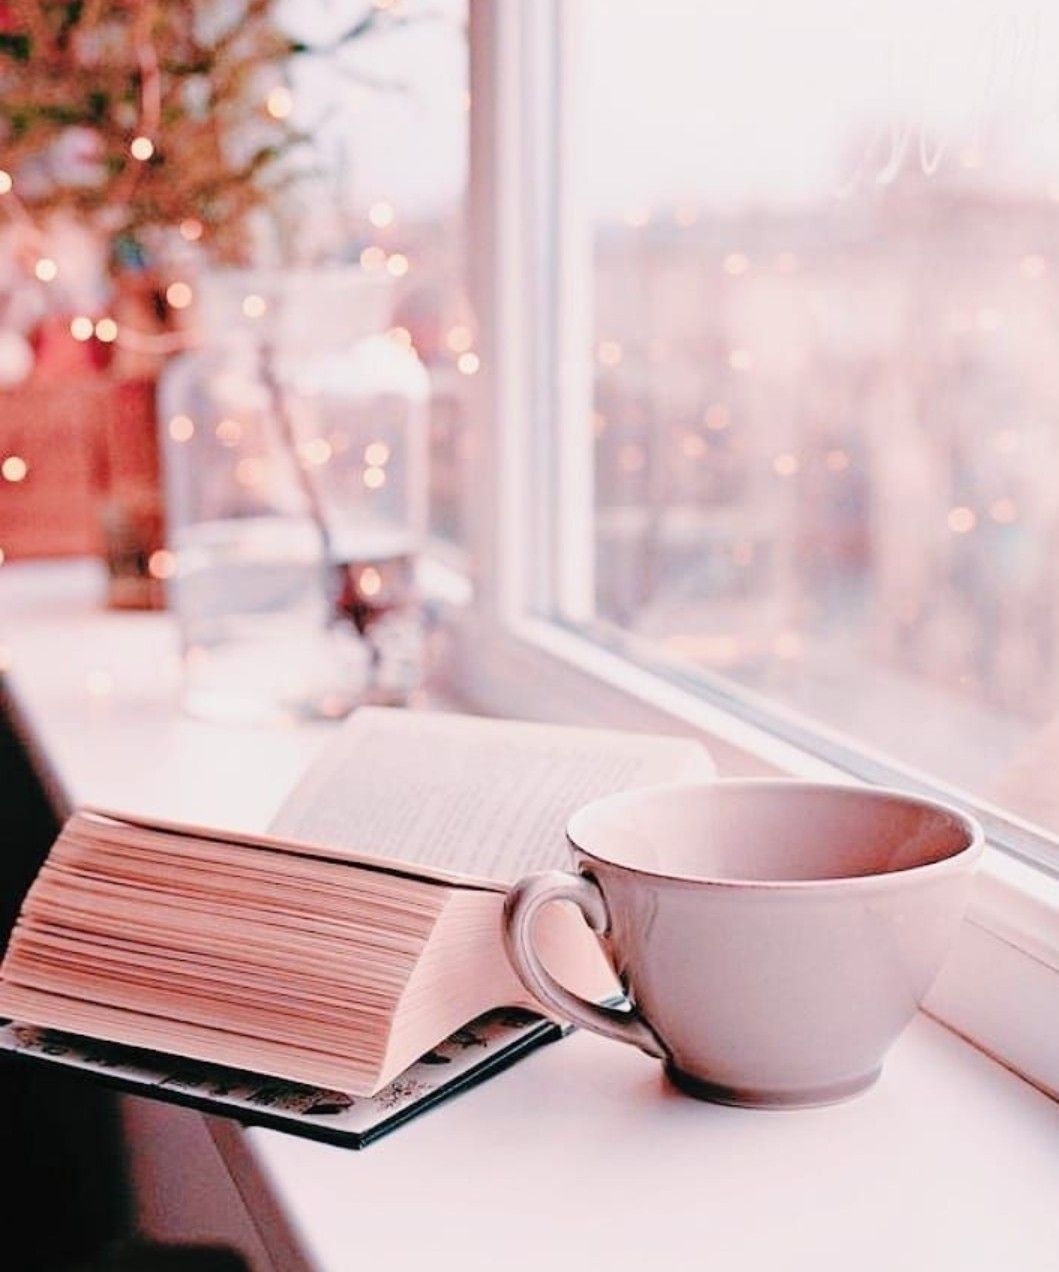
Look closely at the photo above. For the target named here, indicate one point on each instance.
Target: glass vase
(295, 476)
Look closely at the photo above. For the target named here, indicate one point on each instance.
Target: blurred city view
(827, 456)
(826, 403)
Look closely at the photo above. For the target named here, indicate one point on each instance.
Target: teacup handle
(523, 902)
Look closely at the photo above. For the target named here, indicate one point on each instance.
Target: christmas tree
(141, 116)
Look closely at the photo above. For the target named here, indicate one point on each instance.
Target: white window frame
(1000, 988)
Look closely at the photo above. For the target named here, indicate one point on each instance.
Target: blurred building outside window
(825, 417)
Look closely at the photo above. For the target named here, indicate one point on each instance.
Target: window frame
(531, 533)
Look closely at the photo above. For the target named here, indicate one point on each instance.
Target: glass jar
(295, 474)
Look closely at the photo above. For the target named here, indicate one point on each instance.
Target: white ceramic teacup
(773, 937)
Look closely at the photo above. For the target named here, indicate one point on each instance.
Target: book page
(470, 796)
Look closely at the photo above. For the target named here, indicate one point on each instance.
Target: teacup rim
(962, 857)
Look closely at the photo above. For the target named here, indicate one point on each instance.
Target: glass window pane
(826, 404)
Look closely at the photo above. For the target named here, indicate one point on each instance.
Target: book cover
(482, 1048)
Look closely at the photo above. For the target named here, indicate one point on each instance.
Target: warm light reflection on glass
(317, 452)
(229, 432)
(459, 338)
(181, 428)
(280, 102)
(254, 306)
(161, 564)
(179, 295)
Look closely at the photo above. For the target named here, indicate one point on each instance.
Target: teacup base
(749, 1098)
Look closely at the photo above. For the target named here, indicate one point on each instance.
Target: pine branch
(113, 69)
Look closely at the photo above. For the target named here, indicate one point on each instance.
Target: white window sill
(948, 1162)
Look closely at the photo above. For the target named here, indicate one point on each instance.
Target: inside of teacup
(768, 831)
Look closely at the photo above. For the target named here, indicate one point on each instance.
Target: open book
(364, 930)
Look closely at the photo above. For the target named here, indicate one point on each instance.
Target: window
(803, 307)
